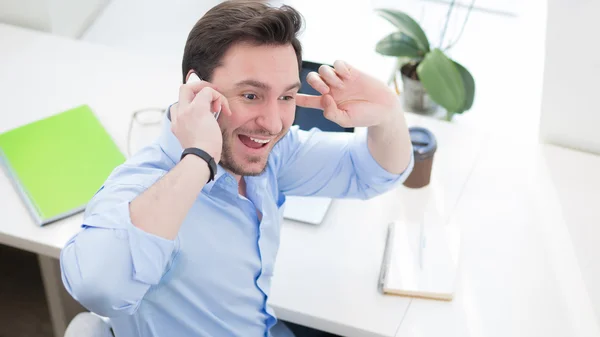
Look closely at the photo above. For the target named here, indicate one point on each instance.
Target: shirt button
(230, 180)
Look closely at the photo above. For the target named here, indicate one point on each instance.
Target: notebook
(58, 163)
(421, 256)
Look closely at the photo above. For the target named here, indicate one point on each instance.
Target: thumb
(330, 109)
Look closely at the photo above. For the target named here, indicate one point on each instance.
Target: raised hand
(350, 97)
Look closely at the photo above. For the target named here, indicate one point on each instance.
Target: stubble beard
(229, 163)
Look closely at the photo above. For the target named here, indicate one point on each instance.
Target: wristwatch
(212, 165)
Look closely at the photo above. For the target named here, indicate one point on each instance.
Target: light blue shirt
(214, 278)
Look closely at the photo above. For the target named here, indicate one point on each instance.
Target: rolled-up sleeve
(110, 264)
(338, 165)
(374, 178)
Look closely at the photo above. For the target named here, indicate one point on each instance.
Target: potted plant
(430, 78)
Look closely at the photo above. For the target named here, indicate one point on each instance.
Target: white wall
(62, 17)
(158, 27)
(73, 17)
(570, 113)
(26, 13)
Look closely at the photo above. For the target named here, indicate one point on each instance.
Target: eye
(287, 98)
(250, 97)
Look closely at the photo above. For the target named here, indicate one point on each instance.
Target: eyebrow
(264, 86)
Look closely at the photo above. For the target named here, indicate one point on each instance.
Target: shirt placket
(255, 187)
(251, 204)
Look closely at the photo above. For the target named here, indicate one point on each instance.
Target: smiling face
(260, 84)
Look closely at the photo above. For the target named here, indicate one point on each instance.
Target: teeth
(261, 141)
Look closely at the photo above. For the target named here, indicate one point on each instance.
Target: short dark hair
(237, 21)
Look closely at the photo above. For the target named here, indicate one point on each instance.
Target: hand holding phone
(194, 79)
(194, 121)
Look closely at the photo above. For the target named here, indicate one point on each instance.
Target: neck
(241, 186)
(237, 177)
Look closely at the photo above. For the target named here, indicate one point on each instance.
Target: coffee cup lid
(423, 142)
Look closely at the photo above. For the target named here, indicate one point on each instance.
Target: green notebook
(58, 163)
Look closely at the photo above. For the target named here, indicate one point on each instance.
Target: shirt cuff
(150, 253)
(369, 169)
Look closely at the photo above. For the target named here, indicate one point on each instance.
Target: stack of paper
(421, 255)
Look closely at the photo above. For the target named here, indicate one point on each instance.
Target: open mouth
(253, 143)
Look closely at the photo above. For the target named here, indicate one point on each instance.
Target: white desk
(326, 276)
(529, 218)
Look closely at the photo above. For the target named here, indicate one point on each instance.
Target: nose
(270, 117)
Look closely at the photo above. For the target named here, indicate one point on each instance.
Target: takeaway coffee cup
(424, 147)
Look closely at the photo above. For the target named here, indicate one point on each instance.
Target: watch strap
(212, 165)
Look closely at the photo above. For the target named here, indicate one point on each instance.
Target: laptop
(311, 210)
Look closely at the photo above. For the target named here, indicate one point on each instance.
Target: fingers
(309, 101)
(329, 107)
(189, 94)
(317, 82)
(216, 102)
(342, 69)
(220, 105)
(327, 104)
(330, 77)
(188, 91)
(331, 111)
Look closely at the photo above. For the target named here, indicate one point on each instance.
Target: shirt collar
(167, 140)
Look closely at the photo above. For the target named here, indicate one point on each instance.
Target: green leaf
(442, 81)
(406, 25)
(399, 45)
(469, 84)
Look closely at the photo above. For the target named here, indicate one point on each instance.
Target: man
(173, 245)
